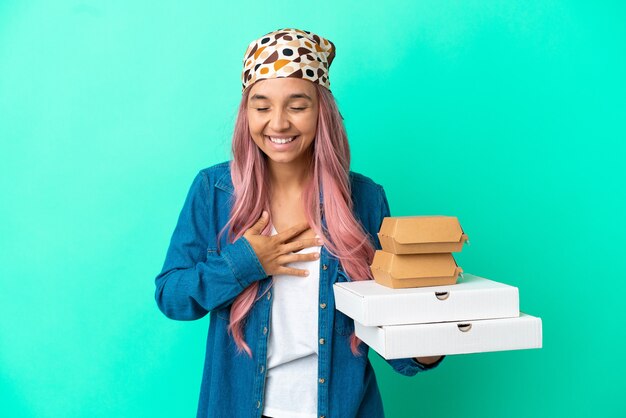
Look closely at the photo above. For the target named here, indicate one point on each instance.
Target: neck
(288, 178)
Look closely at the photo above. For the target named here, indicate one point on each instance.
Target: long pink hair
(344, 237)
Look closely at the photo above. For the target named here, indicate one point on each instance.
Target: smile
(281, 140)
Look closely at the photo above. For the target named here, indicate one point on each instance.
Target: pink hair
(344, 237)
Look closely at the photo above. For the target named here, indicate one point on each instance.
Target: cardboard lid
(422, 229)
(467, 283)
(412, 266)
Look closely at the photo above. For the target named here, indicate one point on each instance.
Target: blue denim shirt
(196, 280)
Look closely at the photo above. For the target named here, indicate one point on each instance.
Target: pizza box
(459, 337)
(472, 297)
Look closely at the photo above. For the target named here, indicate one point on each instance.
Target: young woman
(261, 240)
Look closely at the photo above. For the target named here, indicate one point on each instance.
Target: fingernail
(264, 214)
(306, 273)
(317, 255)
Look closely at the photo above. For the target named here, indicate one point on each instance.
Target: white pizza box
(463, 337)
(472, 297)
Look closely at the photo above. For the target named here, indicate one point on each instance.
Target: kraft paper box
(421, 234)
(473, 297)
(421, 340)
(414, 270)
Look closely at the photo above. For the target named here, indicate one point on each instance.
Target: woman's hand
(275, 251)
(427, 361)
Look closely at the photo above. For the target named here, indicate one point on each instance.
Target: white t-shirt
(291, 381)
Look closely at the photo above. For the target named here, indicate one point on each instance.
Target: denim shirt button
(269, 295)
(322, 341)
(321, 380)
(262, 369)
(258, 404)
(323, 305)
(264, 330)
(324, 267)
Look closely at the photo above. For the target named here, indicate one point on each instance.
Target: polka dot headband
(288, 53)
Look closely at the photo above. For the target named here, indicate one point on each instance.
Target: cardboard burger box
(460, 337)
(414, 270)
(421, 235)
(472, 298)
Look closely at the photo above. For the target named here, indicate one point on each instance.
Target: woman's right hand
(274, 252)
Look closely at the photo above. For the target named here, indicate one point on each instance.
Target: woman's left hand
(427, 360)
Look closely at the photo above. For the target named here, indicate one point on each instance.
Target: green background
(508, 114)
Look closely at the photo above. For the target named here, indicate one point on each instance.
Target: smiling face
(282, 115)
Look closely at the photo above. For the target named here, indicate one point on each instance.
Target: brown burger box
(421, 234)
(414, 270)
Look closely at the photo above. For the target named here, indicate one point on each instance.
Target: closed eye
(263, 109)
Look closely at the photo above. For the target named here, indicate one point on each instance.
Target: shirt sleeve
(194, 281)
(405, 366)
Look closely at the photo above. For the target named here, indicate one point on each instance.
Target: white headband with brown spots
(288, 53)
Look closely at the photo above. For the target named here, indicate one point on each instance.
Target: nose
(279, 121)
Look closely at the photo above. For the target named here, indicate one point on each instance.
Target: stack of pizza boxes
(421, 304)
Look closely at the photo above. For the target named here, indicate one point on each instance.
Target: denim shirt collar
(224, 182)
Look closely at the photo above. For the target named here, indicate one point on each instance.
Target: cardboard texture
(464, 337)
(415, 307)
(472, 298)
(421, 234)
(414, 270)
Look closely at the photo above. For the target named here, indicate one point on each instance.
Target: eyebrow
(291, 97)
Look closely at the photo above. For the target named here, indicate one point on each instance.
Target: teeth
(281, 141)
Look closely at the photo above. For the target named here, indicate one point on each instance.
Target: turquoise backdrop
(508, 114)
